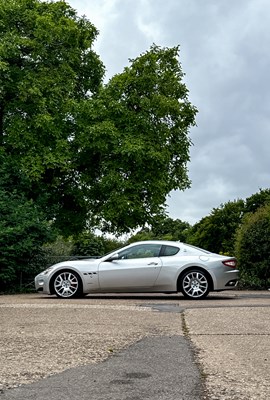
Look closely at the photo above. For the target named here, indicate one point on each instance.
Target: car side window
(170, 251)
(140, 251)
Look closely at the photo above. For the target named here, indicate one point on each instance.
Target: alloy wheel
(66, 284)
(195, 285)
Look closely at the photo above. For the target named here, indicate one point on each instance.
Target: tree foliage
(253, 248)
(90, 244)
(135, 133)
(108, 154)
(163, 229)
(257, 200)
(171, 229)
(47, 67)
(216, 231)
(23, 228)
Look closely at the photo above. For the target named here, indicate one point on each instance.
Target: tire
(67, 284)
(195, 284)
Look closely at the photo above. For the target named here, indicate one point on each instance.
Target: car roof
(165, 242)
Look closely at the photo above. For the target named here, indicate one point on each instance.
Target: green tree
(88, 243)
(23, 229)
(163, 229)
(257, 200)
(253, 248)
(107, 154)
(143, 234)
(171, 229)
(47, 67)
(216, 232)
(136, 136)
(59, 250)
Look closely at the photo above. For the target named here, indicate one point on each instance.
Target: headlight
(47, 270)
(40, 282)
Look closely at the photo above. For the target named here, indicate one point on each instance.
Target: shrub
(253, 249)
(23, 230)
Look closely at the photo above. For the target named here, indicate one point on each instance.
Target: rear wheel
(195, 284)
(67, 284)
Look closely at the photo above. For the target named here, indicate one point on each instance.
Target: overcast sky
(224, 52)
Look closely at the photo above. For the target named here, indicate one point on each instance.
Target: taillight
(230, 263)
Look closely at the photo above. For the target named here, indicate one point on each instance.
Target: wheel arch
(67, 269)
(199, 268)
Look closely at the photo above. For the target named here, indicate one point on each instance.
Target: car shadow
(143, 296)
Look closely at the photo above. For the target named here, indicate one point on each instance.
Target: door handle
(153, 263)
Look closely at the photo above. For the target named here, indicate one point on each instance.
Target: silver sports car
(150, 266)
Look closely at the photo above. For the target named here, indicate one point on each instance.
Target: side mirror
(114, 257)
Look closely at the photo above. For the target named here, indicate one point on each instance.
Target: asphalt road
(156, 368)
(136, 347)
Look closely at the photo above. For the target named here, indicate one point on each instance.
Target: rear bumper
(226, 281)
(232, 283)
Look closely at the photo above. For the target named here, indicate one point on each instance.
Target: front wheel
(67, 284)
(195, 284)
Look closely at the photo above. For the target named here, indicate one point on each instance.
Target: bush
(22, 234)
(253, 249)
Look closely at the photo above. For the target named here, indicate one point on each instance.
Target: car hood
(84, 262)
(90, 263)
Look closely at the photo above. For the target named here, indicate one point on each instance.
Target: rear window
(196, 250)
(169, 251)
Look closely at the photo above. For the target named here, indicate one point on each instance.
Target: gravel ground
(41, 336)
(40, 339)
(234, 351)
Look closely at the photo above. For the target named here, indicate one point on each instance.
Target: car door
(135, 269)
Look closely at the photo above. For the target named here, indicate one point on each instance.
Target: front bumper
(42, 283)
